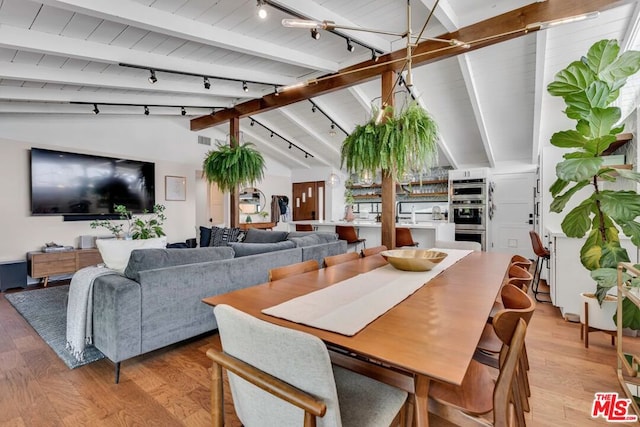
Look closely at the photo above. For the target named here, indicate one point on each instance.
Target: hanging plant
(230, 166)
(403, 143)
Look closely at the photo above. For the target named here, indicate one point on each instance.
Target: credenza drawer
(45, 264)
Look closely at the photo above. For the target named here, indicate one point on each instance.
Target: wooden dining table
(430, 336)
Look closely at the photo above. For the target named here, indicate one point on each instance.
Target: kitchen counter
(425, 233)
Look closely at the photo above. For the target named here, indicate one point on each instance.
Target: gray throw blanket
(80, 309)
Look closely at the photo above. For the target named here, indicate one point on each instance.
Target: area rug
(46, 311)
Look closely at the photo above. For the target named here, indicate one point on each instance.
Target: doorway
(308, 201)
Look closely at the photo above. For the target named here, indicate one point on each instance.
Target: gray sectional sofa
(158, 300)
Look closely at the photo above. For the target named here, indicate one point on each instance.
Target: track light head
(314, 108)
(350, 46)
(262, 11)
(315, 34)
(95, 109)
(213, 111)
(290, 146)
(152, 78)
(306, 155)
(374, 55)
(207, 84)
(271, 134)
(146, 110)
(253, 122)
(245, 87)
(183, 111)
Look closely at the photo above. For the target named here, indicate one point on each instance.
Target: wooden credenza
(45, 264)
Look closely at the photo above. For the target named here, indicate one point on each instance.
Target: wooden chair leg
(217, 396)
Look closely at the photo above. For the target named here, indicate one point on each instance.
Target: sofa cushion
(243, 249)
(325, 237)
(310, 240)
(220, 236)
(205, 236)
(115, 253)
(264, 236)
(149, 259)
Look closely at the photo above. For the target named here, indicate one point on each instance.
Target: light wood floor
(170, 387)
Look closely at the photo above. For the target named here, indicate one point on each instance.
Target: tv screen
(80, 184)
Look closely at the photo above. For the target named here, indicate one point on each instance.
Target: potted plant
(231, 165)
(138, 227)
(405, 142)
(589, 87)
(348, 204)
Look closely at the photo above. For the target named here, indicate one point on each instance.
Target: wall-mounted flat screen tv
(79, 184)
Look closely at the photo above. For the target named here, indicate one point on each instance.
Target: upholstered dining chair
(373, 251)
(293, 269)
(543, 255)
(348, 233)
(458, 244)
(521, 261)
(339, 259)
(283, 377)
(304, 227)
(404, 237)
(479, 395)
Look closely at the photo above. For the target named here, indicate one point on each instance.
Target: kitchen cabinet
(473, 173)
(567, 276)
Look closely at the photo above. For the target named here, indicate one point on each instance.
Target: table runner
(347, 307)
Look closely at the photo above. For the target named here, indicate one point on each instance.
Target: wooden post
(234, 209)
(388, 228)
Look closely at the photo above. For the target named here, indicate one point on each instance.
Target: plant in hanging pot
(405, 142)
(589, 88)
(231, 165)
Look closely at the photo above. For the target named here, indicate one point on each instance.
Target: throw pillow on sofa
(115, 253)
(309, 240)
(264, 236)
(244, 249)
(205, 236)
(220, 236)
(150, 259)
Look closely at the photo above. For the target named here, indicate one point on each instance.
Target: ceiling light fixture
(562, 21)
(183, 111)
(350, 46)
(207, 84)
(95, 109)
(146, 110)
(315, 34)
(262, 11)
(374, 55)
(273, 134)
(314, 108)
(245, 87)
(152, 78)
(332, 131)
(253, 122)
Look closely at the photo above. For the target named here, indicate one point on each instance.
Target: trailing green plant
(404, 142)
(138, 227)
(589, 87)
(229, 166)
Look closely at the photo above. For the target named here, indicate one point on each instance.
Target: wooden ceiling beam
(494, 30)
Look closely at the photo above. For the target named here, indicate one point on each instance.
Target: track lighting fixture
(315, 34)
(262, 11)
(146, 110)
(275, 90)
(350, 46)
(306, 155)
(314, 108)
(271, 134)
(95, 109)
(152, 78)
(183, 111)
(213, 111)
(245, 87)
(253, 122)
(274, 134)
(290, 146)
(374, 55)
(332, 131)
(207, 84)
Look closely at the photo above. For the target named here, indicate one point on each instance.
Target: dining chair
(372, 251)
(304, 227)
(404, 237)
(517, 305)
(283, 377)
(458, 244)
(348, 233)
(543, 255)
(479, 395)
(521, 261)
(293, 269)
(339, 259)
(520, 277)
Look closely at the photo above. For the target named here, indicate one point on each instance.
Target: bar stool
(543, 255)
(348, 233)
(404, 237)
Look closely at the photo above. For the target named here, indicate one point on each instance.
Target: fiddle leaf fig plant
(589, 88)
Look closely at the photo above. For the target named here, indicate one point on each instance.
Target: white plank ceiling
(62, 56)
